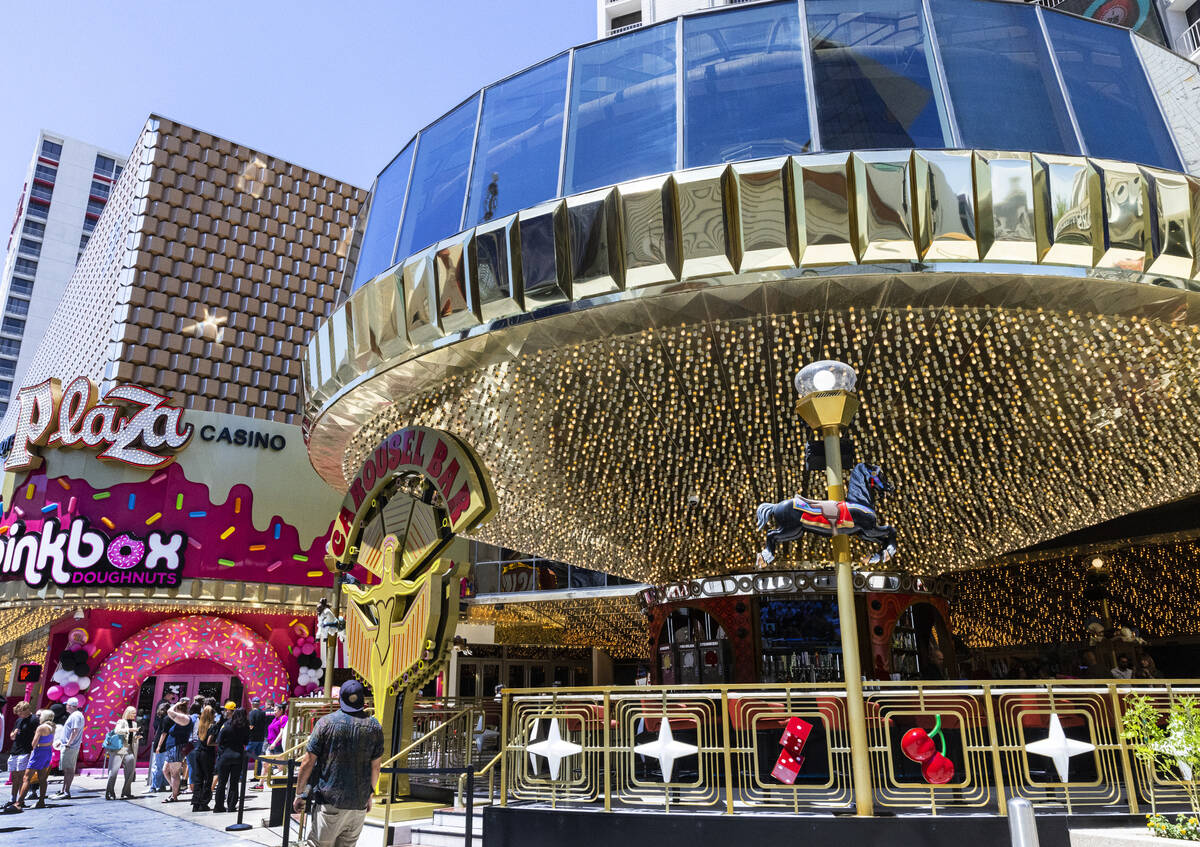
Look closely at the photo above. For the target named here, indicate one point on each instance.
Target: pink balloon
(307, 649)
(298, 690)
(54, 693)
(71, 689)
(89, 648)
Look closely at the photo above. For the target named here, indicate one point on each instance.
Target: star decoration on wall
(1059, 748)
(666, 749)
(555, 749)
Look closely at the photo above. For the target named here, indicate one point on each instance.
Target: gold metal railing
(736, 730)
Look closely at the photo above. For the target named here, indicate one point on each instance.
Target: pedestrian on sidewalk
(206, 756)
(158, 759)
(231, 759)
(276, 737)
(39, 760)
(257, 719)
(72, 741)
(193, 742)
(22, 746)
(343, 756)
(124, 758)
(178, 730)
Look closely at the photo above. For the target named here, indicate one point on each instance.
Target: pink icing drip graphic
(223, 542)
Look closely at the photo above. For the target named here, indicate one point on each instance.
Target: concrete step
(444, 836)
(457, 819)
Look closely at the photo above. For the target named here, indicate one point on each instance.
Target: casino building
(163, 531)
(603, 272)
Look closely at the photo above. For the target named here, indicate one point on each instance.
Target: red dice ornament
(795, 736)
(787, 768)
(917, 744)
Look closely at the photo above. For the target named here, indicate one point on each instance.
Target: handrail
(486, 769)
(428, 735)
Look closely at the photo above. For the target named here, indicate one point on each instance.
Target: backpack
(113, 742)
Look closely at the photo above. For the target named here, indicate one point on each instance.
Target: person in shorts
(22, 746)
(72, 741)
(343, 756)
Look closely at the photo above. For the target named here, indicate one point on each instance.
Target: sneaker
(62, 795)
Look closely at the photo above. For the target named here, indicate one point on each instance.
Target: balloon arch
(226, 642)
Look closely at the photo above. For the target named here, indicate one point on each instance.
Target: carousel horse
(853, 516)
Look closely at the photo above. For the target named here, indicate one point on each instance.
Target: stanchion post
(288, 788)
(239, 826)
(470, 805)
(1021, 826)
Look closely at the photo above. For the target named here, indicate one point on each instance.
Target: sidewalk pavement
(88, 820)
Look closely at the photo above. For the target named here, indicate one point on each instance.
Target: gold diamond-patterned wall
(208, 271)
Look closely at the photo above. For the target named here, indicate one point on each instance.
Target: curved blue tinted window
(744, 86)
(622, 122)
(1113, 103)
(872, 73)
(1001, 79)
(439, 183)
(383, 219)
(520, 138)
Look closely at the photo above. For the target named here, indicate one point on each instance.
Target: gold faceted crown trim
(722, 223)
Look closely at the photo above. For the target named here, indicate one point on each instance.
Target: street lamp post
(828, 403)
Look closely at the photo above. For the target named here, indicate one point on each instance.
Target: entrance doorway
(196, 678)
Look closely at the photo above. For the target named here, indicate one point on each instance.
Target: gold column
(856, 713)
(827, 409)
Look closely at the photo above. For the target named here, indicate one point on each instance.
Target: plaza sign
(50, 416)
(79, 555)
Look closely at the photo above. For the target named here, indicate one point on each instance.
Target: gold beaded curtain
(1155, 589)
(612, 624)
(1001, 427)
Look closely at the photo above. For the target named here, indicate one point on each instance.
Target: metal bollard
(1021, 825)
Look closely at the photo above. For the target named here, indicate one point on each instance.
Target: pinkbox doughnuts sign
(76, 554)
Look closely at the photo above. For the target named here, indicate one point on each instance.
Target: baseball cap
(229, 704)
(353, 696)
(74, 701)
(254, 701)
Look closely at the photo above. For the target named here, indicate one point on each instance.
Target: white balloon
(83, 682)
(73, 677)
(60, 676)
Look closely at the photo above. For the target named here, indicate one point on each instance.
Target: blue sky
(334, 86)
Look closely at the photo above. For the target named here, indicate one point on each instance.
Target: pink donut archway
(227, 642)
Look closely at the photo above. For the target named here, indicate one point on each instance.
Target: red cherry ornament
(938, 770)
(917, 745)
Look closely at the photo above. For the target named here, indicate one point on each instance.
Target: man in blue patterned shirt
(343, 755)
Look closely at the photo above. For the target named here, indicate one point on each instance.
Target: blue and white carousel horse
(853, 516)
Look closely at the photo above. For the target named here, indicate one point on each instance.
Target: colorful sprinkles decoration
(227, 563)
(228, 532)
(49, 507)
(102, 495)
(153, 518)
(108, 523)
(197, 514)
(195, 637)
(157, 478)
(178, 502)
(66, 486)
